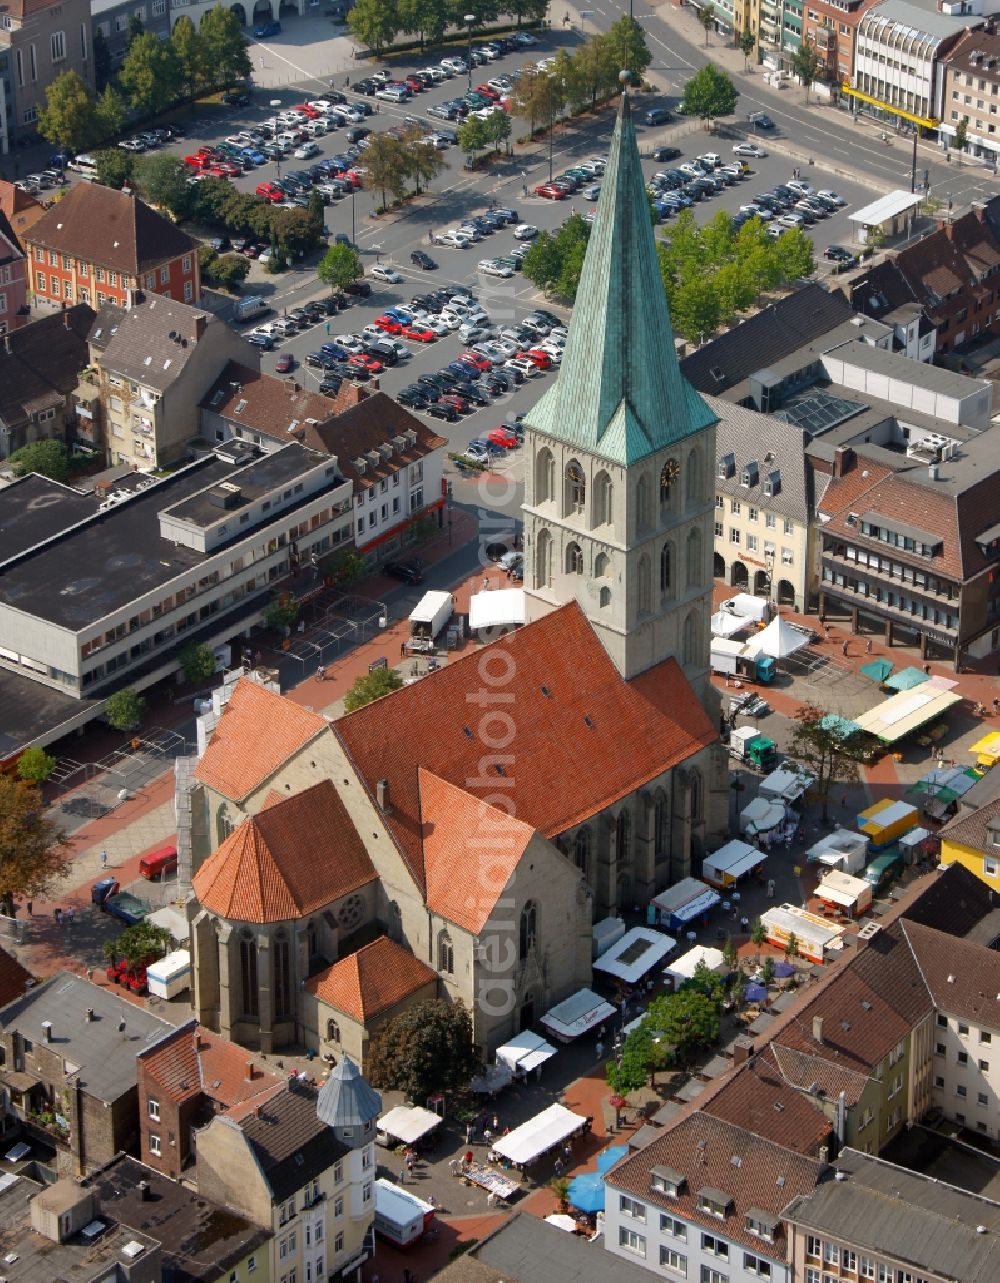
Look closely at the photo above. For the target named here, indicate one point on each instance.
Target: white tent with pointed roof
(779, 638)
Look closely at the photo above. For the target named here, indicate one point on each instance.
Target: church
(460, 836)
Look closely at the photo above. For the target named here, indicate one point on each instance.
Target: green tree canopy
(425, 1049)
(68, 118)
(282, 611)
(162, 180)
(371, 686)
(197, 662)
(710, 93)
(626, 41)
(223, 56)
(228, 270)
(555, 262)
(426, 19)
(125, 709)
(747, 43)
(823, 752)
(706, 16)
(109, 119)
(339, 266)
(33, 852)
(687, 1020)
(35, 765)
(150, 75)
(139, 944)
(48, 458)
(374, 23)
(388, 165)
(806, 64)
(188, 51)
(114, 166)
(472, 137)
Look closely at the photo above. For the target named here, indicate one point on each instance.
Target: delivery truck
(428, 618)
(251, 306)
(110, 898)
(730, 657)
(748, 745)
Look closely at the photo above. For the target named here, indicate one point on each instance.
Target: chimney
(818, 1028)
(47, 1030)
(932, 471)
(88, 1015)
(199, 1042)
(200, 321)
(742, 1051)
(249, 1071)
(382, 795)
(842, 458)
(144, 1191)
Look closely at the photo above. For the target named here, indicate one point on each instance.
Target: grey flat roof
(920, 373)
(105, 1055)
(34, 509)
(264, 475)
(531, 1251)
(922, 15)
(35, 712)
(893, 1212)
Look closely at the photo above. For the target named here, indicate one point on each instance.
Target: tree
(627, 42)
(228, 270)
(758, 936)
(472, 136)
(339, 266)
(163, 181)
(189, 53)
(135, 28)
(102, 60)
(281, 612)
(806, 64)
(109, 117)
(424, 161)
(695, 308)
(426, 19)
(532, 10)
(48, 458)
(68, 118)
(628, 1072)
(730, 953)
(962, 137)
(149, 74)
(347, 566)
(555, 262)
(197, 662)
(498, 130)
(374, 23)
(114, 166)
(426, 1049)
(768, 970)
(747, 43)
(823, 752)
(795, 254)
(387, 164)
(33, 852)
(710, 93)
(139, 944)
(792, 947)
(35, 765)
(706, 16)
(125, 709)
(371, 686)
(688, 1020)
(224, 58)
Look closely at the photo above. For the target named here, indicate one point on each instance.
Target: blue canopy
(607, 1158)
(784, 969)
(842, 727)
(877, 669)
(906, 679)
(586, 1192)
(754, 992)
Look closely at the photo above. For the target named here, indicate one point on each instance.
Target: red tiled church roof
(371, 981)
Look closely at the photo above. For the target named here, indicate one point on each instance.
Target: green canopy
(906, 679)
(842, 727)
(877, 669)
(947, 784)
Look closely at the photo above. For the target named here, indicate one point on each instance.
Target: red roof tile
(843, 492)
(581, 737)
(963, 978)
(194, 1061)
(278, 407)
(371, 981)
(294, 857)
(256, 734)
(859, 1028)
(14, 979)
(758, 1096)
(471, 850)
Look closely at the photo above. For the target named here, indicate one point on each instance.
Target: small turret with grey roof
(349, 1104)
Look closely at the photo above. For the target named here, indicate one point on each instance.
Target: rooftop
(40, 363)
(759, 1097)
(288, 1139)
(194, 1061)
(963, 978)
(34, 713)
(974, 828)
(201, 1240)
(358, 431)
(755, 438)
(151, 342)
(922, 16)
(273, 406)
(34, 509)
(104, 1047)
(894, 365)
(373, 980)
(920, 1222)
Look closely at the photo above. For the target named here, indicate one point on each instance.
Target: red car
(285, 363)
(270, 192)
(353, 177)
(487, 92)
(414, 85)
(216, 170)
(305, 110)
(502, 437)
(388, 325)
(550, 191)
(362, 361)
(418, 333)
(539, 358)
(456, 401)
(477, 361)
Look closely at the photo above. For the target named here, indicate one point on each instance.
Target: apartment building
(970, 91)
(831, 27)
(874, 1220)
(13, 278)
(39, 40)
(40, 366)
(762, 509)
(191, 558)
(153, 363)
(110, 20)
(972, 838)
(97, 245)
(899, 48)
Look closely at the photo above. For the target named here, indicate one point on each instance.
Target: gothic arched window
(529, 929)
(574, 559)
(576, 488)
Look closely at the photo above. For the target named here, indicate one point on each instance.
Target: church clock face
(671, 471)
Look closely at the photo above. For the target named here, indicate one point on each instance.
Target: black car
(476, 395)
(839, 254)
(420, 258)
(415, 398)
(330, 385)
(315, 308)
(356, 133)
(442, 410)
(433, 383)
(666, 153)
(236, 98)
(761, 119)
(366, 86)
(300, 317)
(321, 361)
(408, 572)
(426, 303)
(496, 384)
(360, 289)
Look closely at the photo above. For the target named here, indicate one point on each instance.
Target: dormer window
(750, 474)
(666, 1180)
(714, 1202)
(772, 483)
(727, 466)
(761, 1224)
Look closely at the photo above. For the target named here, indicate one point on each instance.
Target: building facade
(39, 40)
(971, 93)
(898, 53)
(40, 366)
(110, 21)
(13, 279)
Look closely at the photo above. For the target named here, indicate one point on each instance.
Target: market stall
(635, 954)
(499, 608)
(906, 679)
(583, 1012)
(689, 900)
(762, 815)
(814, 936)
(916, 844)
(943, 788)
(683, 968)
(735, 860)
(495, 1183)
(552, 1127)
(400, 1217)
(789, 783)
(779, 639)
(525, 1052)
(902, 714)
(726, 624)
(606, 933)
(987, 750)
(492, 1081)
(843, 849)
(845, 894)
(876, 670)
(406, 1125)
(886, 821)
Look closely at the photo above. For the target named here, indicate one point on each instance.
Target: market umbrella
(755, 993)
(842, 727)
(586, 1192)
(906, 679)
(783, 970)
(607, 1158)
(617, 1102)
(877, 669)
(562, 1221)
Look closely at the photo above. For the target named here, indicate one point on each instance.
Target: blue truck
(110, 898)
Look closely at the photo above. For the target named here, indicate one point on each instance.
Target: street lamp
(353, 236)
(769, 570)
(552, 116)
(469, 20)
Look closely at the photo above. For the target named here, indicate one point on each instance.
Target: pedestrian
(844, 649)
(328, 327)
(600, 1049)
(402, 650)
(486, 582)
(927, 670)
(996, 706)
(558, 1166)
(347, 85)
(57, 916)
(868, 646)
(30, 908)
(104, 859)
(430, 236)
(826, 630)
(524, 189)
(496, 1122)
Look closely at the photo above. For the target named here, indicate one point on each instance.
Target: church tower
(620, 452)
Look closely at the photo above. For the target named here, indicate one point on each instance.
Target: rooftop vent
(951, 980)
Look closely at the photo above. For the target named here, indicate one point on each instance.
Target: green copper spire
(620, 393)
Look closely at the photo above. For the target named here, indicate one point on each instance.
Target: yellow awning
(926, 122)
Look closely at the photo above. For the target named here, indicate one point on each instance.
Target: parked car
(382, 272)
(657, 116)
(419, 258)
(267, 29)
(410, 571)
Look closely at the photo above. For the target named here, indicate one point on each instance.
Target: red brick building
(831, 27)
(98, 245)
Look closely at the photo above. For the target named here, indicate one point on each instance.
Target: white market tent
(525, 1052)
(787, 783)
(498, 608)
(839, 848)
(812, 933)
(778, 639)
(635, 953)
(685, 902)
(846, 892)
(173, 921)
(731, 862)
(725, 624)
(684, 967)
(748, 607)
(552, 1127)
(906, 712)
(606, 933)
(584, 1011)
(408, 1123)
(762, 815)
